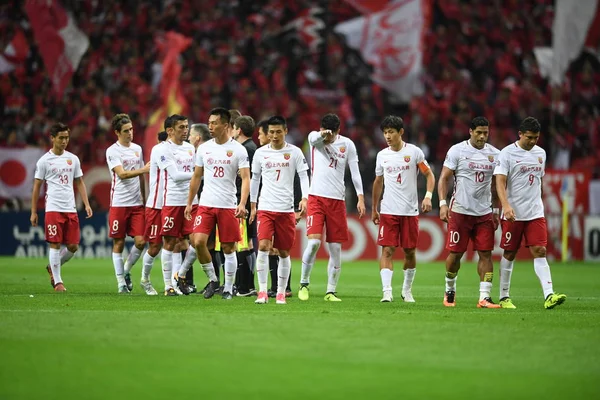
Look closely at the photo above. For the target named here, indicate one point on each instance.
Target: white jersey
(473, 171)
(278, 169)
(524, 171)
(400, 170)
(221, 163)
(125, 192)
(59, 172)
(182, 158)
(328, 165)
(156, 180)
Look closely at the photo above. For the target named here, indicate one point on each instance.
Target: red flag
(368, 6)
(171, 95)
(61, 43)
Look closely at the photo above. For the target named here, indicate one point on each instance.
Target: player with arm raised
(59, 169)
(276, 163)
(397, 168)
(519, 184)
(330, 153)
(218, 162)
(127, 194)
(470, 216)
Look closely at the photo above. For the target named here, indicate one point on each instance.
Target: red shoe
(59, 287)
(280, 299)
(50, 273)
(487, 303)
(449, 298)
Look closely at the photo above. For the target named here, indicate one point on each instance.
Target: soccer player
(397, 168)
(218, 162)
(59, 169)
(277, 163)
(243, 128)
(519, 185)
(126, 214)
(175, 160)
(330, 154)
(154, 205)
(470, 216)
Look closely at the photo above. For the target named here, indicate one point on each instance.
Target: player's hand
(240, 211)
(252, 213)
(375, 217)
(426, 205)
(509, 213)
(496, 220)
(302, 207)
(146, 168)
(33, 219)
(187, 213)
(444, 213)
(88, 212)
(360, 207)
(298, 216)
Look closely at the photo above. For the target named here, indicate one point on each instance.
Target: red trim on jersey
(156, 188)
(112, 189)
(165, 195)
(312, 163)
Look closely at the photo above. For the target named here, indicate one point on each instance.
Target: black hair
(58, 127)
(277, 120)
(479, 121)
(162, 136)
(264, 125)
(530, 124)
(171, 120)
(331, 122)
(223, 114)
(393, 122)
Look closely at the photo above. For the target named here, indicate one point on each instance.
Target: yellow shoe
(303, 292)
(506, 302)
(554, 299)
(332, 297)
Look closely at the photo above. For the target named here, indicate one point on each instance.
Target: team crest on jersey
(70, 162)
(229, 153)
(286, 156)
(190, 153)
(491, 158)
(540, 160)
(343, 149)
(136, 154)
(406, 158)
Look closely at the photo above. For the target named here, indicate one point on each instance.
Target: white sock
(209, 270)
(506, 268)
(132, 257)
(148, 261)
(262, 270)
(65, 255)
(177, 261)
(409, 277)
(166, 259)
(188, 261)
(485, 290)
(542, 270)
(283, 273)
(334, 266)
(54, 258)
(308, 259)
(230, 270)
(386, 279)
(119, 271)
(451, 283)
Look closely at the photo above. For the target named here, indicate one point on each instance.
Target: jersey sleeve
(243, 159)
(199, 158)
(301, 164)
(378, 165)
(141, 163)
(40, 169)
(503, 164)
(451, 161)
(422, 163)
(163, 160)
(77, 171)
(112, 158)
(352, 153)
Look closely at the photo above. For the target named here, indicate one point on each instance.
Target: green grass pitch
(92, 343)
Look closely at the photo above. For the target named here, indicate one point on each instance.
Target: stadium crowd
(479, 61)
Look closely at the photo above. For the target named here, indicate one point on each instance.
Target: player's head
(59, 134)
(332, 123)
(162, 136)
(233, 115)
(177, 128)
(199, 134)
(393, 128)
(244, 127)
(529, 133)
(218, 121)
(479, 131)
(277, 130)
(123, 128)
(263, 132)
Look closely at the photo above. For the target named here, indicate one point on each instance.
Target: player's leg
(242, 275)
(315, 220)
(117, 224)
(171, 230)
(510, 243)
(535, 234)
(273, 264)
(135, 229)
(229, 234)
(151, 235)
(71, 236)
(409, 237)
(334, 268)
(388, 239)
(452, 268)
(265, 231)
(336, 225)
(284, 238)
(186, 254)
(185, 268)
(204, 224)
(457, 241)
(483, 243)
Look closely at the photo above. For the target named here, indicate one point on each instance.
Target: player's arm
(143, 187)
(245, 191)
(443, 191)
(316, 138)
(376, 198)
(358, 186)
(80, 184)
(37, 184)
(122, 174)
(254, 188)
(507, 210)
(495, 204)
(304, 188)
(428, 173)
